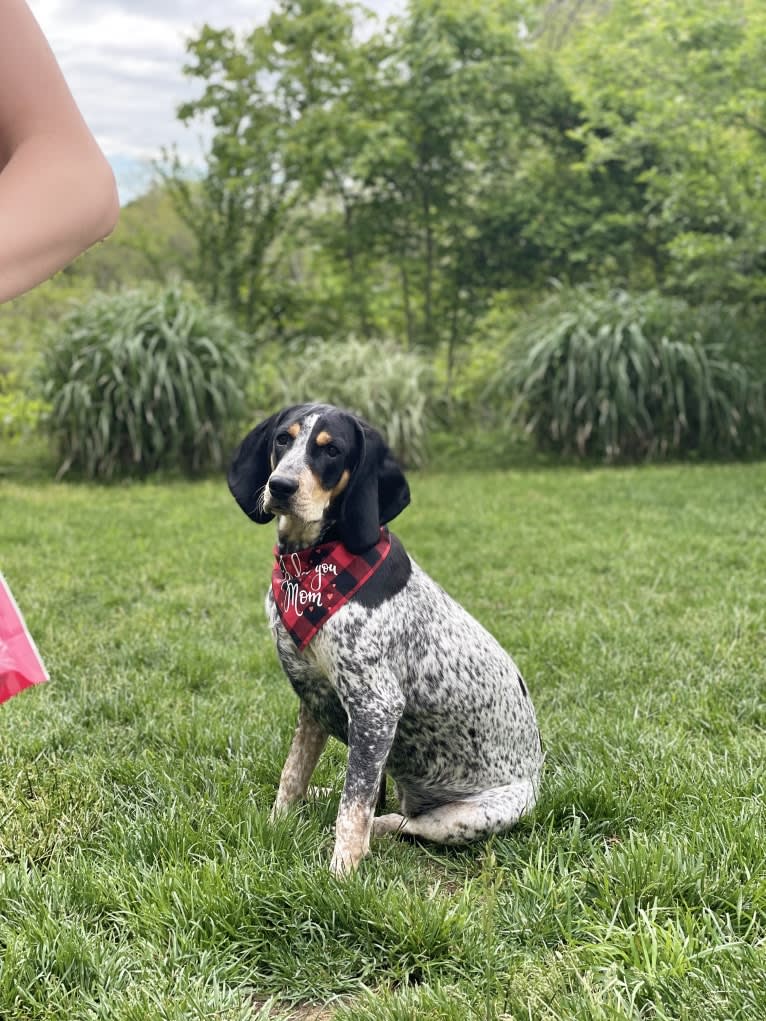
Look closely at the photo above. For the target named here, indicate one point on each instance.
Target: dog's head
(316, 467)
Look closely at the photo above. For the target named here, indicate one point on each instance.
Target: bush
(20, 414)
(633, 376)
(22, 328)
(390, 388)
(143, 380)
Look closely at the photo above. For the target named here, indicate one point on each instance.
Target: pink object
(20, 663)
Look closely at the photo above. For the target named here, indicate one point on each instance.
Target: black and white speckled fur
(402, 674)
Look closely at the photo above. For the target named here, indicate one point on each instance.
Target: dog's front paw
(345, 860)
(352, 837)
(278, 810)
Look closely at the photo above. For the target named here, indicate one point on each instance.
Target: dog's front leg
(308, 741)
(371, 730)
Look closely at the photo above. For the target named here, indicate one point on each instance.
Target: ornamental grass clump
(389, 387)
(144, 380)
(626, 377)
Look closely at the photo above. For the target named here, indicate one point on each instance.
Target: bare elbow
(105, 201)
(89, 179)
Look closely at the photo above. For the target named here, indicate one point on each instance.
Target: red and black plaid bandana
(309, 586)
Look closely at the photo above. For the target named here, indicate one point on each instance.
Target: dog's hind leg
(472, 818)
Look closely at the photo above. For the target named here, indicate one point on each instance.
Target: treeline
(392, 180)
(549, 216)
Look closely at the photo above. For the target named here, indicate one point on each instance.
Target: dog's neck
(294, 535)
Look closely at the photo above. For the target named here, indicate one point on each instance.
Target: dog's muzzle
(280, 488)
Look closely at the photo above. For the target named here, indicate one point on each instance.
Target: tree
(390, 182)
(237, 210)
(440, 113)
(328, 77)
(378, 149)
(673, 93)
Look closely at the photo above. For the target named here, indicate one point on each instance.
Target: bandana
(311, 585)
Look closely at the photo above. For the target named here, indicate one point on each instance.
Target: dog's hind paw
(383, 824)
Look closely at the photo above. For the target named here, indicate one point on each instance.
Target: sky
(123, 60)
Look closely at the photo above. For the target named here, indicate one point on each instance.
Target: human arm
(57, 191)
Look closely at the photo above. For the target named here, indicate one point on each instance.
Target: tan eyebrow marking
(323, 438)
(294, 429)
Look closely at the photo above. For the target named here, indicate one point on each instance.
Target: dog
(381, 658)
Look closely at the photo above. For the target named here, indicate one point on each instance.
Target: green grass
(139, 878)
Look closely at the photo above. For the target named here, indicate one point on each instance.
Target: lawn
(140, 879)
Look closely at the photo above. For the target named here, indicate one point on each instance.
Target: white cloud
(123, 61)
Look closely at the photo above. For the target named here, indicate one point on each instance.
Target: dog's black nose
(281, 487)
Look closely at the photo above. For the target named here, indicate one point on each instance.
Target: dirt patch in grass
(302, 1011)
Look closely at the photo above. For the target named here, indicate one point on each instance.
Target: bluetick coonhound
(401, 673)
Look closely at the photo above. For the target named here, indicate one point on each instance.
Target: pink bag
(20, 663)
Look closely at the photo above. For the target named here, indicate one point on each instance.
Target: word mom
(299, 593)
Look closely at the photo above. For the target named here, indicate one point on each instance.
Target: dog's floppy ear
(376, 493)
(250, 469)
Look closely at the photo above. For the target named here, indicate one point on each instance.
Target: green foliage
(25, 321)
(143, 380)
(672, 98)
(23, 325)
(391, 181)
(20, 414)
(391, 388)
(150, 242)
(623, 376)
(369, 180)
(240, 207)
(394, 152)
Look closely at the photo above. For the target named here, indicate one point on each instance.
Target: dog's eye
(332, 450)
(282, 439)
